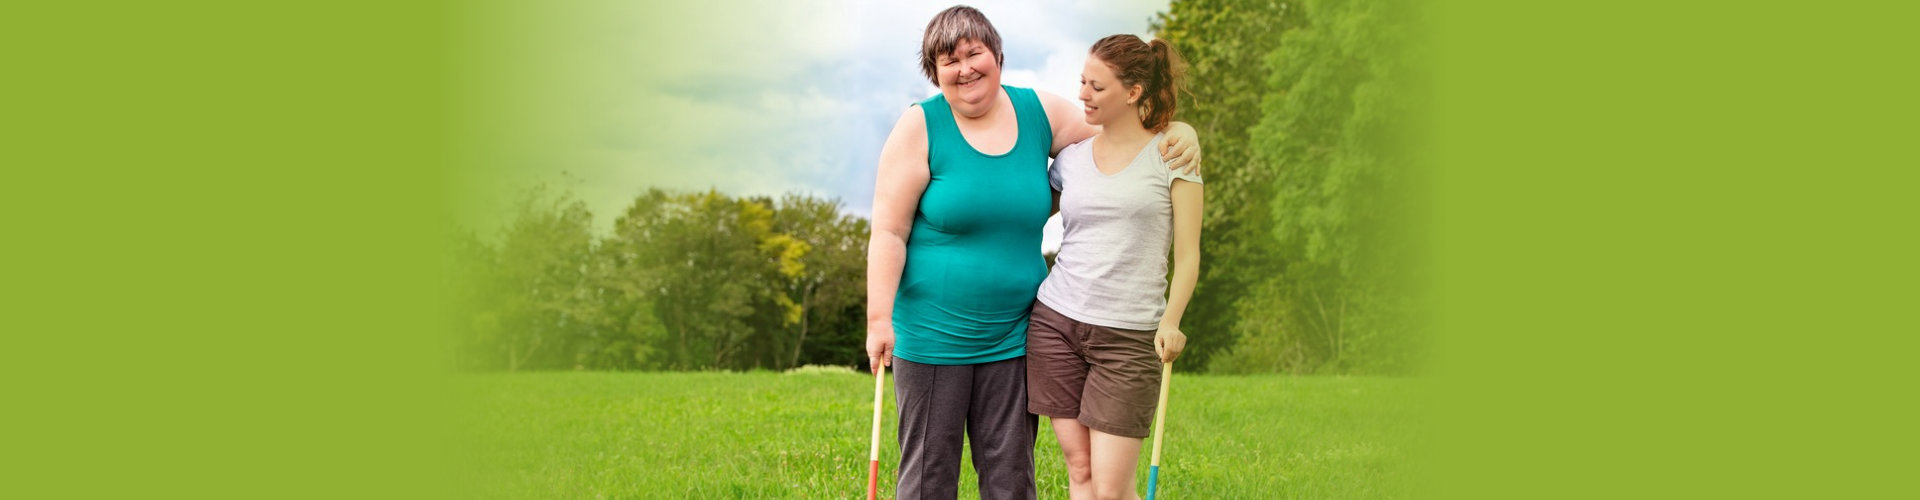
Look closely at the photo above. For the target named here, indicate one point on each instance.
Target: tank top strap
(941, 130)
(1035, 131)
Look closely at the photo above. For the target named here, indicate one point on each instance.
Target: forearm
(886, 256)
(1186, 273)
(1189, 199)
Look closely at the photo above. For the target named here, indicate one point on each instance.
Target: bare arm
(1068, 119)
(902, 177)
(1069, 122)
(1188, 200)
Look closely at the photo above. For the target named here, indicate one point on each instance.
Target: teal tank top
(973, 258)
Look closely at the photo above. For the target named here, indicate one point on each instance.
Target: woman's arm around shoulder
(1068, 120)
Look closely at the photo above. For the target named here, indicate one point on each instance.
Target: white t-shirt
(1112, 266)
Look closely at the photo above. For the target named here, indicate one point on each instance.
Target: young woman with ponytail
(1107, 316)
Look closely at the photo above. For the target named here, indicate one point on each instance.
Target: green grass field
(804, 435)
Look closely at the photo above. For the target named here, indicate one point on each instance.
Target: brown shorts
(1107, 378)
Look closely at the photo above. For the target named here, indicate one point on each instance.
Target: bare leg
(1115, 459)
(1074, 444)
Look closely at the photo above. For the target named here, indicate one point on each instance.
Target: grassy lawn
(804, 435)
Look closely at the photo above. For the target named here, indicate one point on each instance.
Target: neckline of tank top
(1006, 92)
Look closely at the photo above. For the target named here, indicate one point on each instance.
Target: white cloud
(766, 97)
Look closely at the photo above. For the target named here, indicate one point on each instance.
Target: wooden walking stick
(1159, 429)
(873, 453)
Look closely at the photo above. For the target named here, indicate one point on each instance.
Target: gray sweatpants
(988, 403)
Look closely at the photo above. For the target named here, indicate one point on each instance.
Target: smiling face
(970, 75)
(1105, 96)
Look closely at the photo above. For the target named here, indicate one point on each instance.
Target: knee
(1079, 467)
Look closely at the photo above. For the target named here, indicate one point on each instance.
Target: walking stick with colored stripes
(1159, 429)
(873, 453)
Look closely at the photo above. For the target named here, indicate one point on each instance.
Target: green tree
(1225, 43)
(1332, 130)
(469, 274)
(629, 331)
(830, 287)
(708, 259)
(544, 285)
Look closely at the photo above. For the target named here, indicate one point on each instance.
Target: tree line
(684, 281)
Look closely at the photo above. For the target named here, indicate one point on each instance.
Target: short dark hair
(948, 28)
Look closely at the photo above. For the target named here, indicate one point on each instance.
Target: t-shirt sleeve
(1053, 174)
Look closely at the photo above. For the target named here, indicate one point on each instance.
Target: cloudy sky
(746, 97)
